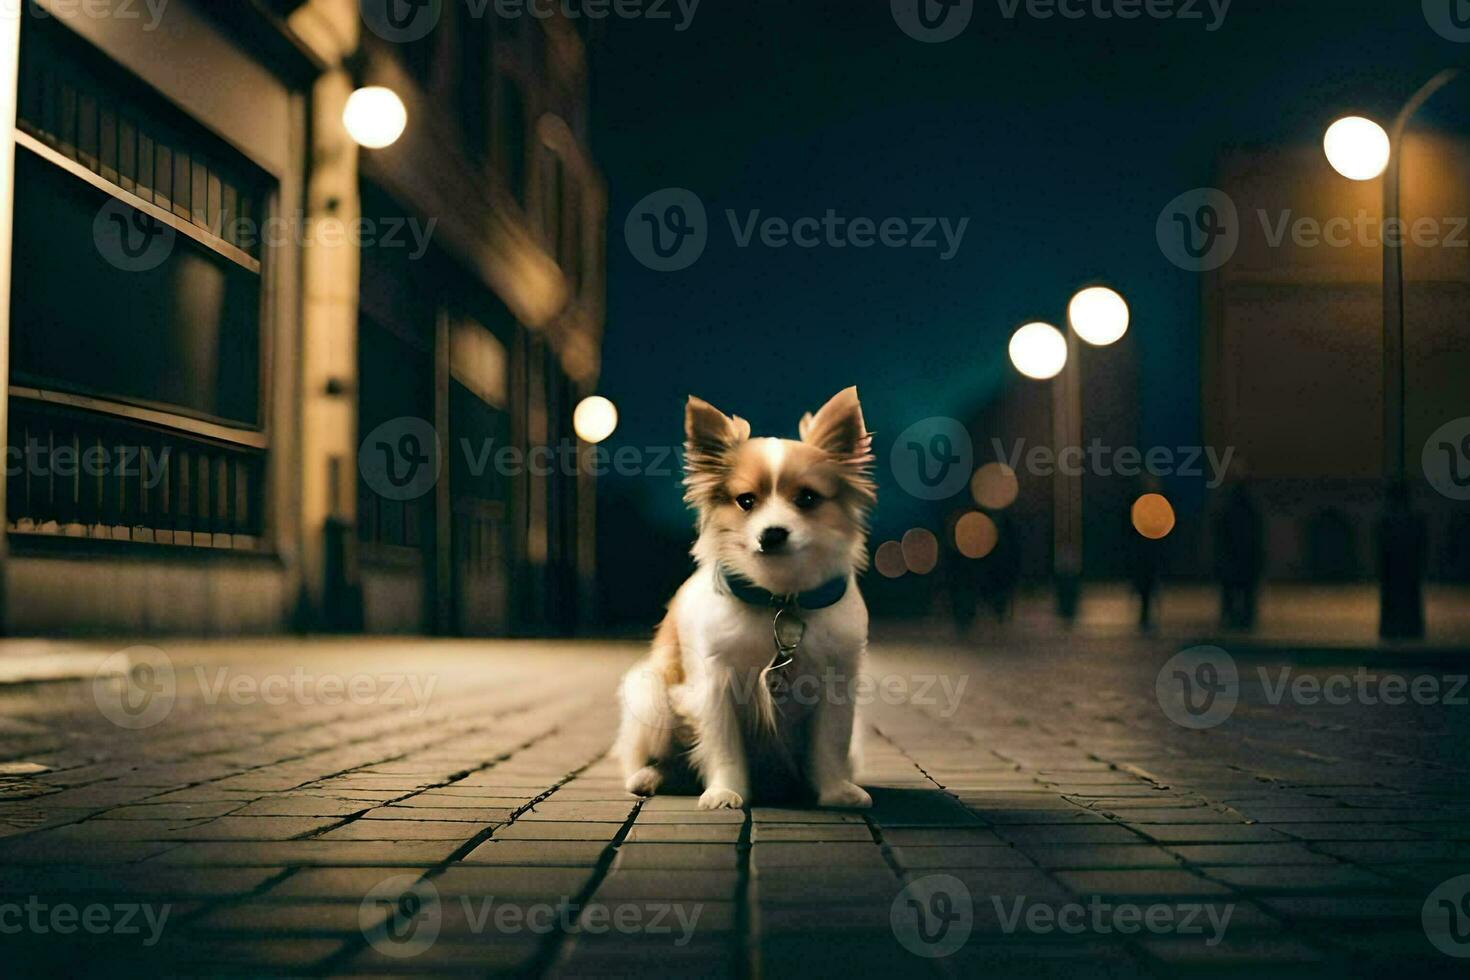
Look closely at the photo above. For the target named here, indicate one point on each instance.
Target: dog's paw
(644, 782)
(847, 796)
(718, 798)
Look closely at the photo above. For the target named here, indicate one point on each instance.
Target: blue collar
(827, 594)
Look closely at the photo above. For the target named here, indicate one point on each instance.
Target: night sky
(1060, 140)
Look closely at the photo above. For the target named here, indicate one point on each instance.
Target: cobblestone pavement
(422, 807)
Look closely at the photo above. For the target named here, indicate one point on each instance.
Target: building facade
(260, 378)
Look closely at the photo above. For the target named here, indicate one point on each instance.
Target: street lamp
(375, 117)
(594, 419)
(1360, 149)
(1099, 316)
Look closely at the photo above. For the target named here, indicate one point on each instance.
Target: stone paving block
(172, 811)
(1227, 855)
(588, 959)
(1180, 952)
(537, 853)
(811, 832)
(506, 882)
(1213, 833)
(647, 817)
(1060, 834)
(1141, 882)
(790, 815)
(1099, 856)
(710, 885)
(1335, 879)
(253, 828)
(801, 886)
(279, 918)
(447, 956)
(942, 836)
(800, 855)
(1349, 831)
(404, 830)
(481, 816)
(676, 856)
(945, 858)
(558, 830)
(417, 853)
(688, 833)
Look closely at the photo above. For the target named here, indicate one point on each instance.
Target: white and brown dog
(749, 678)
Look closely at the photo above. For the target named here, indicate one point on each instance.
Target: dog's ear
(838, 430)
(709, 430)
(838, 427)
(709, 436)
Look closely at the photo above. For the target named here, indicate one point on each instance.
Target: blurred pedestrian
(1239, 556)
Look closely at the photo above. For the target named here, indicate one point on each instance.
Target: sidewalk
(389, 807)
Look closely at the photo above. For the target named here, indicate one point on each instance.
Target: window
(136, 307)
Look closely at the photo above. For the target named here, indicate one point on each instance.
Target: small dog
(734, 684)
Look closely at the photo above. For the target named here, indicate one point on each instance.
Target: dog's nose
(772, 538)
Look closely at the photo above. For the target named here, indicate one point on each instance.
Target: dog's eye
(745, 501)
(807, 498)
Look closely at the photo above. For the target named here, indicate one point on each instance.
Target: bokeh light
(994, 486)
(1153, 516)
(888, 560)
(1357, 148)
(1039, 351)
(1099, 315)
(920, 551)
(375, 117)
(594, 419)
(975, 535)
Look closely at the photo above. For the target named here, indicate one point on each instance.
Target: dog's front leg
(720, 753)
(831, 746)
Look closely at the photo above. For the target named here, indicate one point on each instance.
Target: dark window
(513, 138)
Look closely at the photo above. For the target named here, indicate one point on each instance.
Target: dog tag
(787, 629)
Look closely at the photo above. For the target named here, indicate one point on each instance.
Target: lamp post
(1360, 149)
(1100, 317)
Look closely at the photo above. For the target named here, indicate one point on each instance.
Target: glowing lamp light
(975, 535)
(888, 560)
(994, 486)
(375, 117)
(920, 551)
(1357, 148)
(1099, 315)
(594, 419)
(1039, 351)
(1153, 516)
